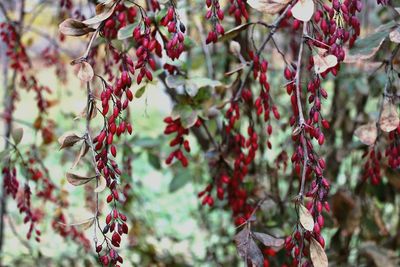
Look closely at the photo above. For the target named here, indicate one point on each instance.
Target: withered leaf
(232, 33)
(389, 119)
(317, 254)
(303, 10)
(268, 6)
(72, 27)
(103, 12)
(86, 72)
(367, 133)
(268, 240)
(84, 225)
(68, 139)
(76, 180)
(247, 248)
(102, 184)
(82, 152)
(394, 35)
(17, 134)
(322, 63)
(306, 218)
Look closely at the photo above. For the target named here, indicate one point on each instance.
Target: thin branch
(274, 28)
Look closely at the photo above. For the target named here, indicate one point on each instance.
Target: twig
(274, 28)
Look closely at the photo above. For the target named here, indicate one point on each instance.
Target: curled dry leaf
(322, 63)
(395, 35)
(367, 133)
(82, 152)
(76, 180)
(83, 113)
(232, 33)
(317, 254)
(17, 134)
(72, 27)
(269, 241)
(84, 225)
(389, 119)
(268, 6)
(86, 72)
(303, 10)
(306, 219)
(103, 12)
(234, 48)
(102, 184)
(68, 139)
(247, 248)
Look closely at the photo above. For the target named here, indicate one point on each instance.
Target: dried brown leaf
(82, 152)
(247, 248)
(317, 254)
(77, 180)
(268, 240)
(68, 139)
(268, 6)
(306, 219)
(389, 119)
(84, 225)
(103, 12)
(367, 133)
(86, 72)
(72, 27)
(102, 184)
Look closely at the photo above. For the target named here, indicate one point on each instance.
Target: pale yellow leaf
(367, 133)
(322, 63)
(86, 72)
(104, 11)
(389, 119)
(84, 225)
(317, 254)
(395, 35)
(303, 10)
(17, 134)
(102, 184)
(306, 218)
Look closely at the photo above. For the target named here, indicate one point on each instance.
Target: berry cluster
(176, 28)
(238, 9)
(175, 126)
(215, 14)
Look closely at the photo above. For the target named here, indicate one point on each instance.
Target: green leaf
(367, 47)
(140, 91)
(4, 154)
(194, 84)
(154, 160)
(187, 115)
(127, 31)
(174, 81)
(147, 142)
(17, 135)
(180, 179)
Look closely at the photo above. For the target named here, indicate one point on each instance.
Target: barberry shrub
(285, 115)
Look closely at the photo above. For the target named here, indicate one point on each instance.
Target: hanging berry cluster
(215, 14)
(175, 45)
